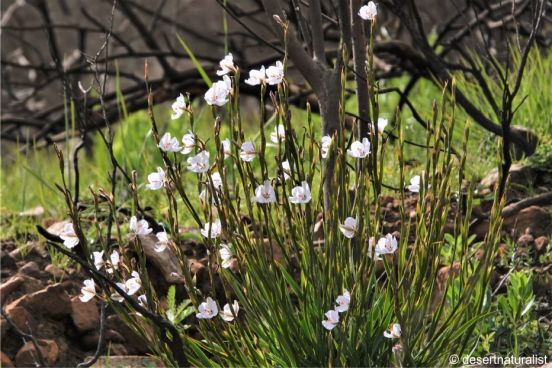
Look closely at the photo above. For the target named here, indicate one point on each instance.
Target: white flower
(301, 194)
(88, 291)
(139, 227)
(349, 227)
(98, 259)
(118, 297)
(212, 230)
(226, 147)
(217, 180)
(143, 300)
(256, 77)
(226, 65)
(69, 237)
(368, 12)
(359, 149)
(247, 151)
(343, 301)
(199, 163)
(265, 193)
(179, 107)
(386, 245)
(168, 143)
(394, 332)
(372, 252)
(275, 74)
(188, 143)
(279, 134)
(156, 179)
(287, 169)
(325, 144)
(414, 186)
(219, 91)
(227, 314)
(382, 123)
(332, 319)
(226, 253)
(162, 241)
(208, 309)
(133, 284)
(114, 262)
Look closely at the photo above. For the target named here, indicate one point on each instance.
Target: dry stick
(541, 199)
(24, 335)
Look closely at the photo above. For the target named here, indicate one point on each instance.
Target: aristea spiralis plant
(295, 281)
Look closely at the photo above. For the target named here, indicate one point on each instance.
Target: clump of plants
(293, 227)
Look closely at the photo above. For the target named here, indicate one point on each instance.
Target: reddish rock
(127, 361)
(27, 355)
(30, 269)
(525, 240)
(134, 344)
(541, 243)
(85, 315)
(5, 360)
(22, 319)
(54, 271)
(52, 301)
(534, 217)
(19, 283)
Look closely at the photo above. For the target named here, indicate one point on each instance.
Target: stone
(7, 261)
(54, 271)
(134, 344)
(525, 240)
(26, 356)
(532, 141)
(33, 212)
(5, 360)
(541, 243)
(52, 301)
(534, 217)
(166, 261)
(22, 319)
(127, 361)
(19, 283)
(85, 316)
(30, 269)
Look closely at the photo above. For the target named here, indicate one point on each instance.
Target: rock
(5, 360)
(525, 240)
(134, 344)
(85, 316)
(52, 301)
(127, 361)
(534, 217)
(4, 327)
(89, 341)
(33, 212)
(29, 247)
(22, 319)
(26, 356)
(56, 272)
(7, 261)
(30, 269)
(166, 261)
(521, 176)
(532, 141)
(118, 350)
(541, 243)
(19, 283)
